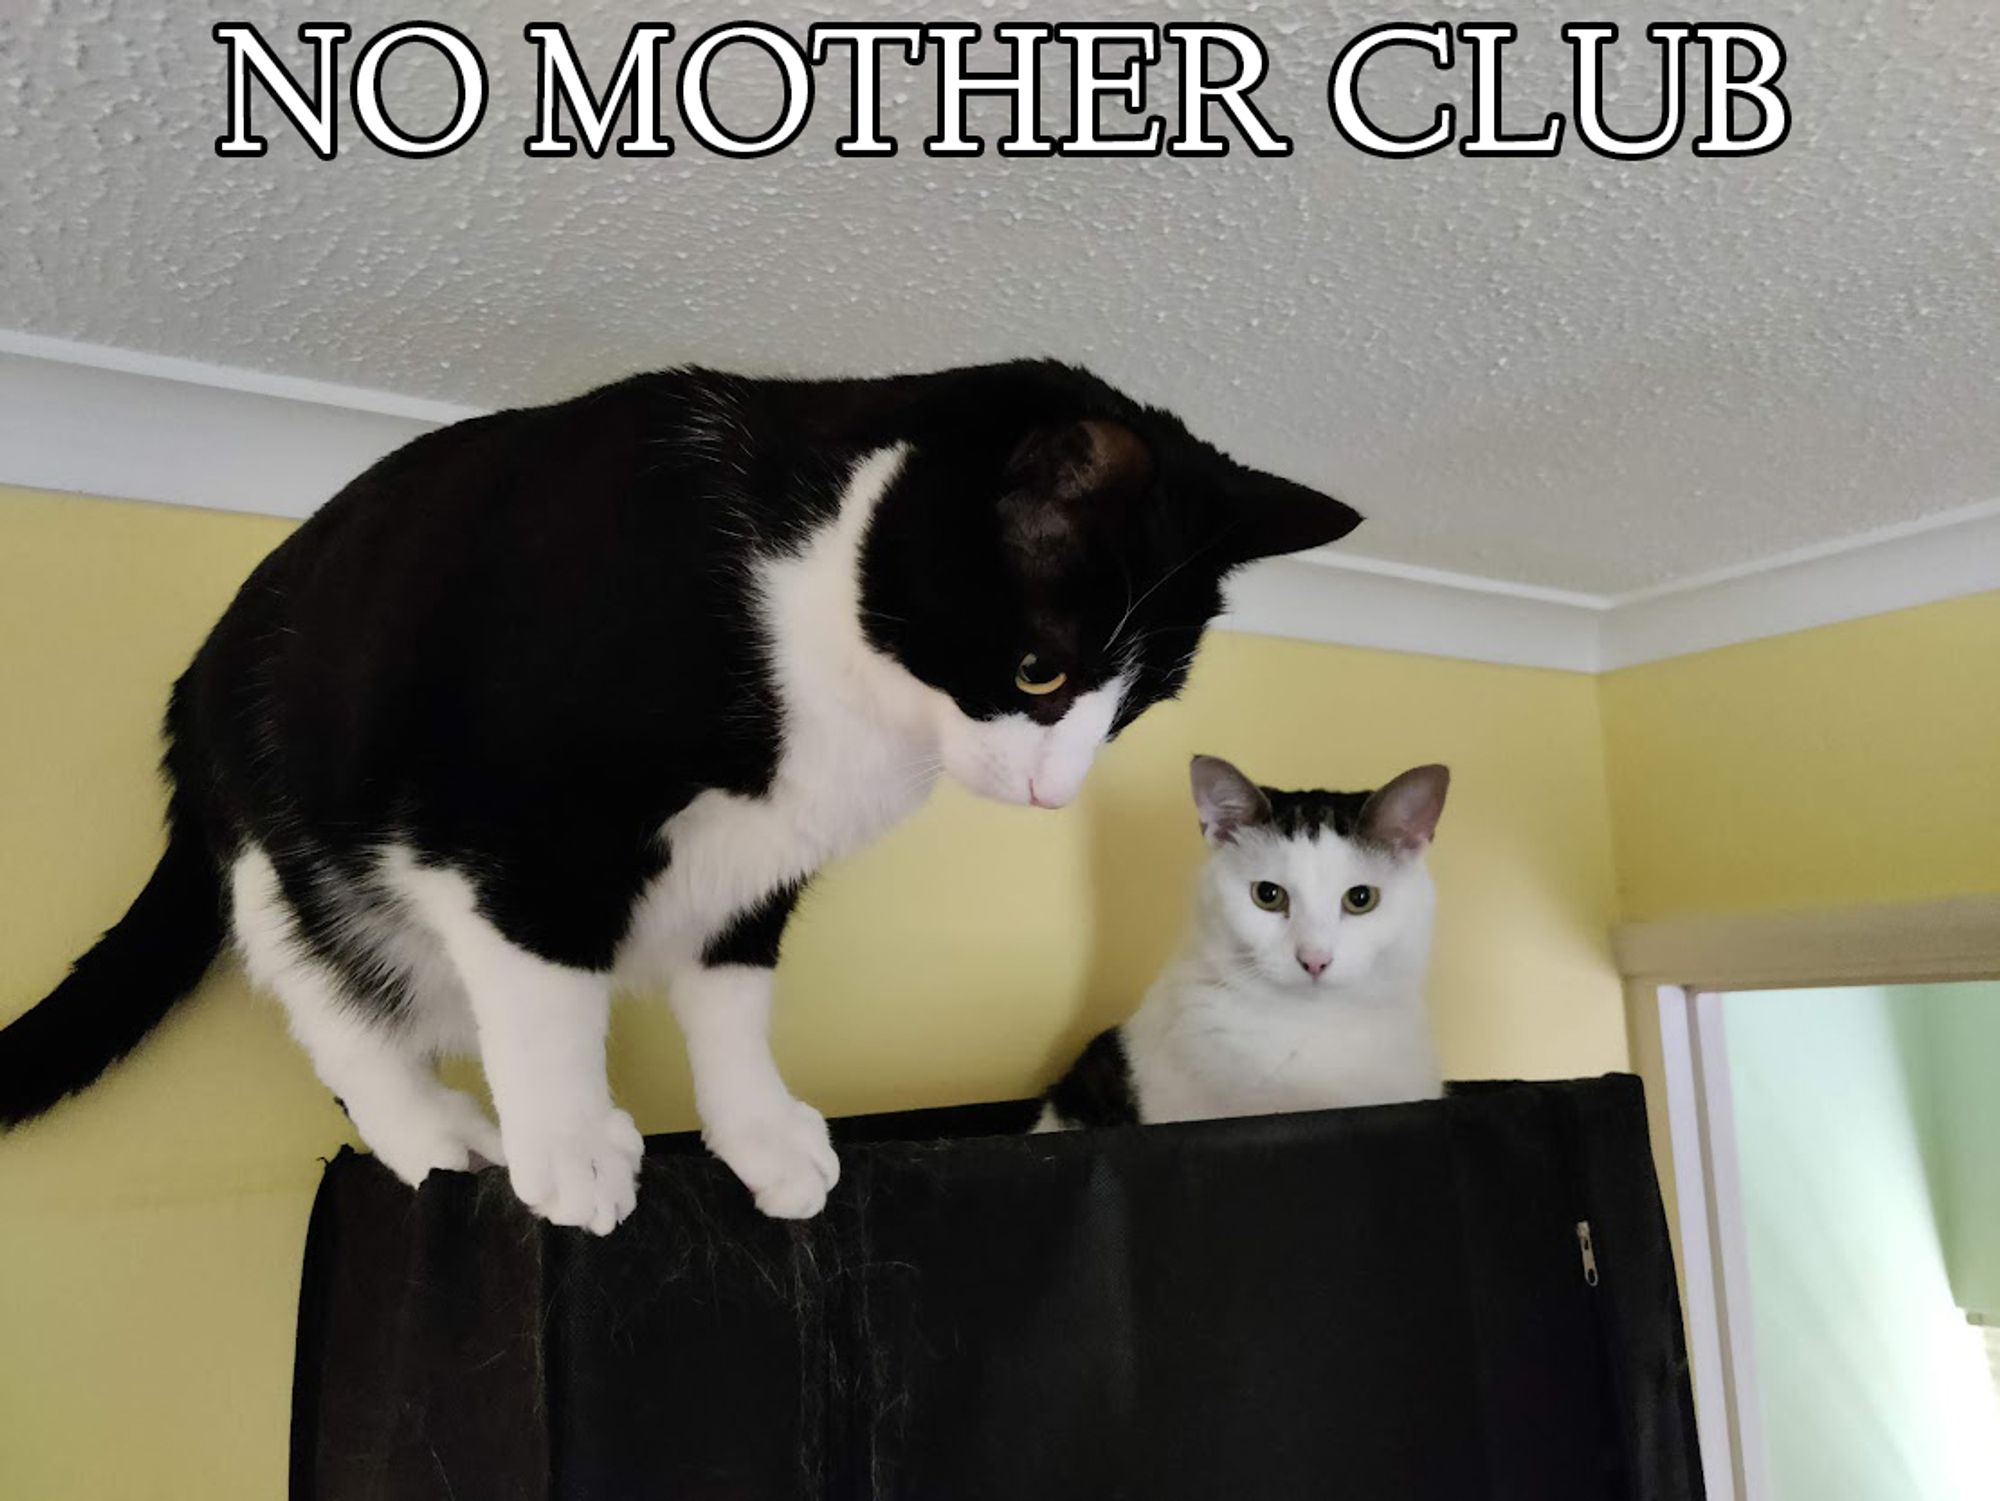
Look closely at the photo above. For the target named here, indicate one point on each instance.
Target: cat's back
(542, 483)
(518, 589)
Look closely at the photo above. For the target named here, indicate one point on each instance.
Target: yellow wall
(1854, 764)
(1851, 765)
(150, 1231)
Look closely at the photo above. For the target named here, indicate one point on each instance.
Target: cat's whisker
(1155, 588)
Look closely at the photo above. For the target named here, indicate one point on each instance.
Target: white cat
(1302, 983)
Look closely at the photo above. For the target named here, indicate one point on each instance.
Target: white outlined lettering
(1088, 85)
(1344, 100)
(316, 118)
(1233, 94)
(559, 81)
(1221, 66)
(1486, 40)
(367, 90)
(1774, 111)
(1587, 40)
(867, 40)
(792, 67)
(956, 86)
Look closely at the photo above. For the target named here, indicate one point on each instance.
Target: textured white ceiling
(1575, 372)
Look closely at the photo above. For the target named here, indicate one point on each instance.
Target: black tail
(115, 994)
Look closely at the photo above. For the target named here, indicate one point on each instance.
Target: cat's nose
(1314, 961)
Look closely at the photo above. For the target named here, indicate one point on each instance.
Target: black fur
(522, 643)
(118, 991)
(754, 936)
(1302, 815)
(1097, 1090)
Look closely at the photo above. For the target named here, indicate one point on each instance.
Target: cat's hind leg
(377, 1064)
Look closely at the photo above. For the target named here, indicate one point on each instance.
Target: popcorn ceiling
(1575, 372)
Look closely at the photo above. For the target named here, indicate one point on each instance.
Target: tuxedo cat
(583, 695)
(1302, 984)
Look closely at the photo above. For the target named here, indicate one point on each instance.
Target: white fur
(1012, 759)
(1238, 1026)
(863, 744)
(777, 1145)
(379, 1071)
(573, 1156)
(860, 751)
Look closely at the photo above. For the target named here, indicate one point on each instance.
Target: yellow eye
(1029, 679)
(1270, 896)
(1360, 899)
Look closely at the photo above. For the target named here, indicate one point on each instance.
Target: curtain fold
(1371, 1303)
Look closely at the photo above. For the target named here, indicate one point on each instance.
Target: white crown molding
(1391, 608)
(1476, 583)
(99, 421)
(231, 378)
(1944, 556)
(98, 429)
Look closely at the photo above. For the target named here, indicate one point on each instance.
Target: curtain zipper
(1588, 1247)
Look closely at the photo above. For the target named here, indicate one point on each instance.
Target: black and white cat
(1302, 984)
(582, 695)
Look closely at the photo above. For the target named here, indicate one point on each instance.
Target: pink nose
(1314, 961)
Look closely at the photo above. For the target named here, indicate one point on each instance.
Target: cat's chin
(1011, 758)
(1283, 980)
(1004, 779)
(1038, 789)
(1015, 794)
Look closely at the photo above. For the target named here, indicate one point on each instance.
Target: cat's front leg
(572, 1155)
(776, 1144)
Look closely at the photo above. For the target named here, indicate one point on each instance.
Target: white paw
(582, 1172)
(783, 1155)
(441, 1131)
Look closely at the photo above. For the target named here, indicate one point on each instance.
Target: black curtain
(1385, 1303)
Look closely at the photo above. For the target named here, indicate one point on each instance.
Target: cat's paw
(441, 1131)
(783, 1155)
(583, 1172)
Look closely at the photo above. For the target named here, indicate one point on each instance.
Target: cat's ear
(1403, 816)
(1266, 517)
(1069, 477)
(1225, 799)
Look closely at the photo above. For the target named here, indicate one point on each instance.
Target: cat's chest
(1206, 1053)
(841, 781)
(854, 753)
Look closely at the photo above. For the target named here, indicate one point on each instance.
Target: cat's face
(1050, 577)
(1316, 892)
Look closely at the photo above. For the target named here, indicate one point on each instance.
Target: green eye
(1270, 896)
(1360, 899)
(1031, 677)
